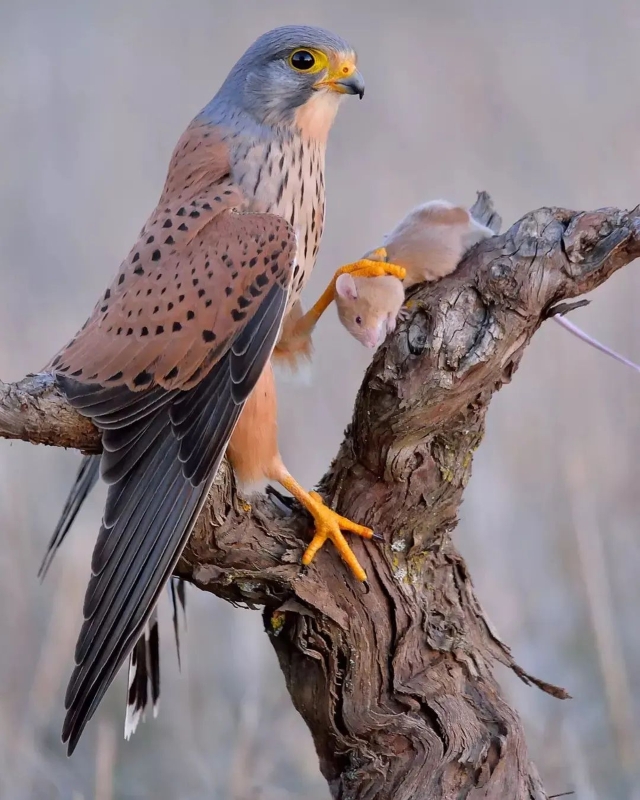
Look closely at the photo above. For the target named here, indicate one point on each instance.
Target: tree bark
(394, 679)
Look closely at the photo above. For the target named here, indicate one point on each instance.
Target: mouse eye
(302, 60)
(358, 320)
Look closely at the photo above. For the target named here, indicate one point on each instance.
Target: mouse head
(368, 307)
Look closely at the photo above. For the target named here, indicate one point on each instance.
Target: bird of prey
(173, 365)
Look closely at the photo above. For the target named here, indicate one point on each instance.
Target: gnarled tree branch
(395, 679)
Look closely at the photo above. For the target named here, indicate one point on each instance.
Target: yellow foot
(374, 266)
(329, 526)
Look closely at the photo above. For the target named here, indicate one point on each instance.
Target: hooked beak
(344, 84)
(354, 84)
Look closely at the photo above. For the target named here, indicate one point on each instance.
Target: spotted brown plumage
(175, 346)
(188, 285)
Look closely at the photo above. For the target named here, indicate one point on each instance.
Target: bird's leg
(254, 455)
(374, 265)
(329, 524)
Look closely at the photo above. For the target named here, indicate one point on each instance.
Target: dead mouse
(429, 244)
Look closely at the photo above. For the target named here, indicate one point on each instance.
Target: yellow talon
(328, 526)
(370, 268)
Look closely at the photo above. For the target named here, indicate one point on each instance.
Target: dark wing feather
(156, 495)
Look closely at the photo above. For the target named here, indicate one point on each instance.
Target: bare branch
(35, 411)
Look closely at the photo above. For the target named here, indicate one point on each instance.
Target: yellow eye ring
(308, 61)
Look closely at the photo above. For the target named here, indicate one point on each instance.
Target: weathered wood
(33, 410)
(395, 679)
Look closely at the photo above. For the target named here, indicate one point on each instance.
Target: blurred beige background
(535, 102)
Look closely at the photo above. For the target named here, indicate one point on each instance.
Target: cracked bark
(395, 679)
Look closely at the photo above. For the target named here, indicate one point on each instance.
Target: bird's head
(294, 76)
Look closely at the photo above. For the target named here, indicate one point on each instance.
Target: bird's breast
(286, 177)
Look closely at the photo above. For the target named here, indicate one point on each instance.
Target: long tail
(144, 663)
(144, 677)
(569, 326)
(86, 479)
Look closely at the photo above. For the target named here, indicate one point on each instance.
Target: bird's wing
(164, 375)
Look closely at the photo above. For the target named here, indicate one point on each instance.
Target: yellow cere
(338, 70)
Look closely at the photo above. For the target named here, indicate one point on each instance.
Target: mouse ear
(346, 287)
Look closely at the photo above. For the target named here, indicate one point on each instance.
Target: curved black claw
(290, 503)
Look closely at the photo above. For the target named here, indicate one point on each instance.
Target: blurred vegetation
(535, 102)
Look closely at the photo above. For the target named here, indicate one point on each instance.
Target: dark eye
(358, 320)
(302, 60)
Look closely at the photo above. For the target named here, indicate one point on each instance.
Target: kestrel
(173, 364)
